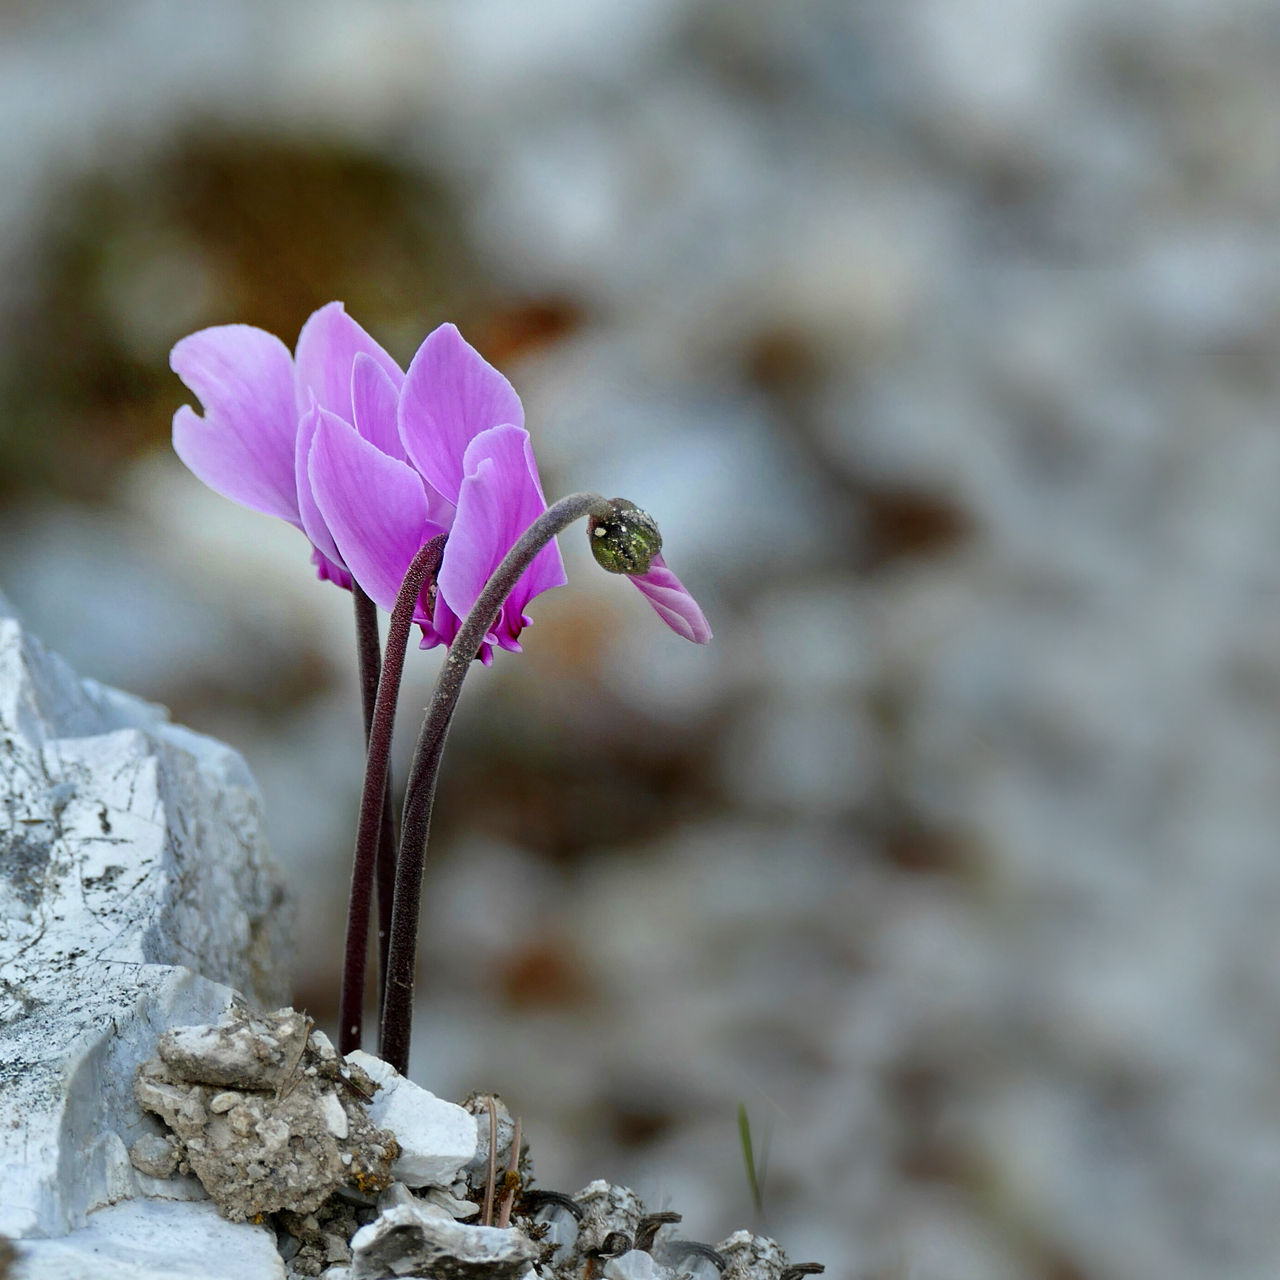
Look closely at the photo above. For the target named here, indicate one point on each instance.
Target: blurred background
(941, 338)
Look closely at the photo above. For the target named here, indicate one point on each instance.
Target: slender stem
(415, 826)
(510, 1183)
(370, 665)
(368, 654)
(385, 883)
(373, 798)
(493, 1162)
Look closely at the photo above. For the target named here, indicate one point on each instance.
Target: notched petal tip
(242, 446)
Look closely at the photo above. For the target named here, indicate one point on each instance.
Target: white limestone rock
(136, 892)
(437, 1138)
(155, 1240)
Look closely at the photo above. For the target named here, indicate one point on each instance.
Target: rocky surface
(136, 892)
(264, 1113)
(602, 1230)
(154, 1240)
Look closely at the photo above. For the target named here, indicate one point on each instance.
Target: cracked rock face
(136, 891)
(263, 1111)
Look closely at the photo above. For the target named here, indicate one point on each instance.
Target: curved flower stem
(373, 803)
(415, 826)
(369, 659)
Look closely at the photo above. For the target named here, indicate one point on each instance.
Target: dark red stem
(373, 797)
(415, 826)
(370, 663)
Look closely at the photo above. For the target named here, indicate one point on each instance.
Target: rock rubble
(262, 1110)
(280, 1130)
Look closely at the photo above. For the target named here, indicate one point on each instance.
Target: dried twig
(358, 1090)
(493, 1162)
(289, 1080)
(512, 1179)
(650, 1225)
(537, 1199)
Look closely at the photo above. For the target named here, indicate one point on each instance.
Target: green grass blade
(749, 1159)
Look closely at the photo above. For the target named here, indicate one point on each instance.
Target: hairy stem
(369, 659)
(415, 826)
(374, 805)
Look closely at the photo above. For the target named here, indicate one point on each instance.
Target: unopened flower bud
(625, 540)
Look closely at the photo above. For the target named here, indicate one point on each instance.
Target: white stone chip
(334, 1116)
(437, 1138)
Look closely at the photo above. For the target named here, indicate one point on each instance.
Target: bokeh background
(942, 338)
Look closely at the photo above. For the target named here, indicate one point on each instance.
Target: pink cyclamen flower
(463, 445)
(370, 463)
(316, 440)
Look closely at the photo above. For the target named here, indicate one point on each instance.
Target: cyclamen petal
(674, 605)
(375, 402)
(450, 395)
(327, 571)
(375, 506)
(499, 498)
(327, 348)
(314, 524)
(243, 446)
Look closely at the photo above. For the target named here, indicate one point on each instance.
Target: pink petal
(327, 571)
(313, 521)
(243, 446)
(445, 624)
(675, 606)
(327, 349)
(374, 402)
(375, 505)
(450, 395)
(498, 500)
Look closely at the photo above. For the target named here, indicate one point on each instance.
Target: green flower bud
(625, 540)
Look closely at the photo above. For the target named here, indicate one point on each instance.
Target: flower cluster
(371, 463)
